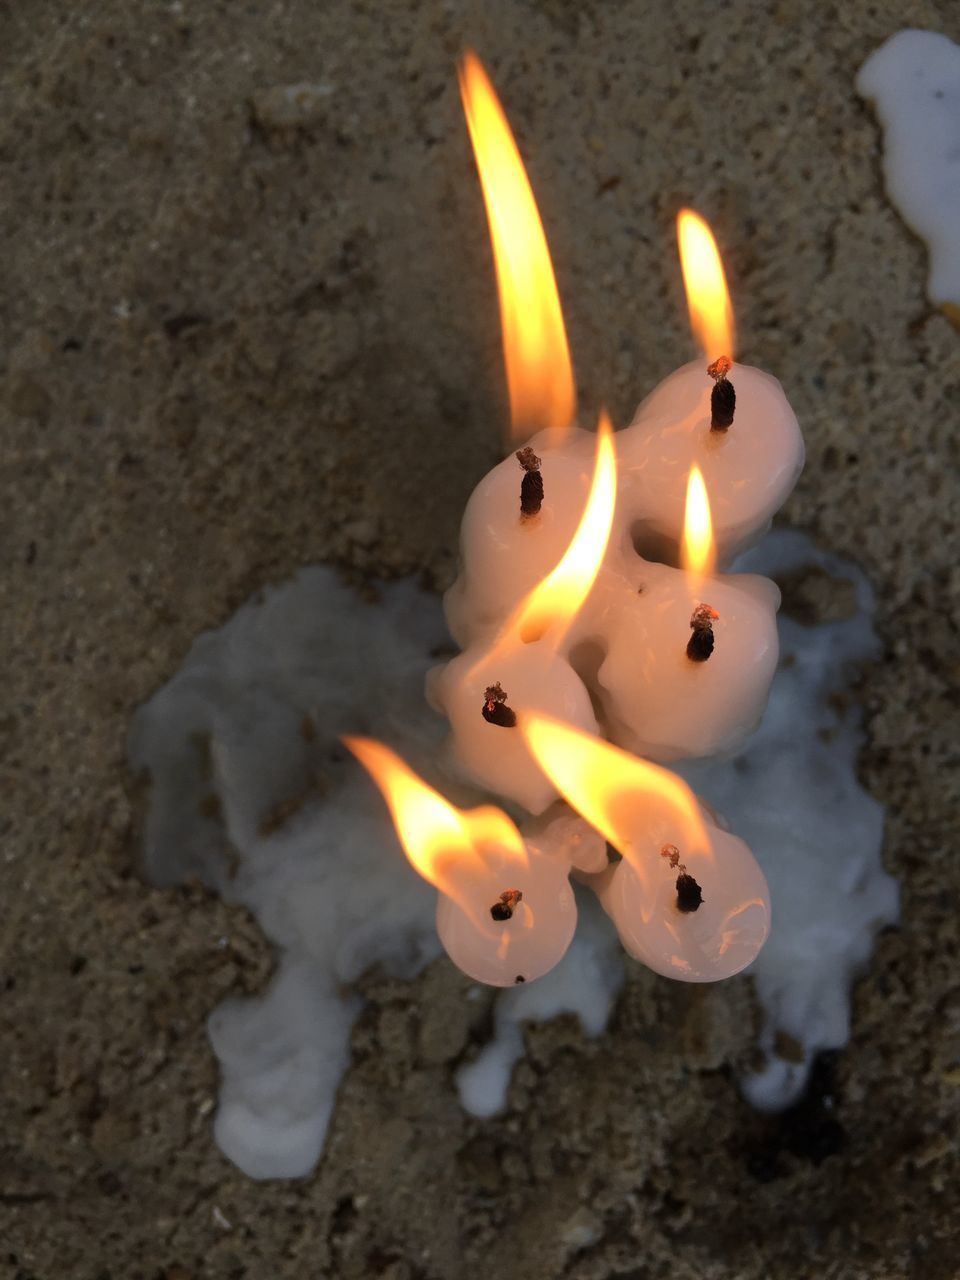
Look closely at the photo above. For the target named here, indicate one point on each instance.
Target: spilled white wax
(793, 795)
(914, 81)
(252, 721)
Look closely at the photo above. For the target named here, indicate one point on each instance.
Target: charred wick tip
(671, 853)
(495, 709)
(689, 893)
(700, 645)
(506, 904)
(531, 487)
(701, 642)
(723, 398)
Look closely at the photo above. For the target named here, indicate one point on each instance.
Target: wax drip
(723, 397)
(689, 893)
(495, 709)
(531, 488)
(506, 904)
(701, 642)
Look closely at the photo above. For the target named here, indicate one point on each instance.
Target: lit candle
(688, 898)
(688, 657)
(672, 676)
(505, 912)
(750, 462)
(509, 543)
(749, 468)
(524, 668)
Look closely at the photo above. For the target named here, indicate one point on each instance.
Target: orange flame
(555, 602)
(617, 793)
(539, 372)
(708, 299)
(699, 548)
(444, 844)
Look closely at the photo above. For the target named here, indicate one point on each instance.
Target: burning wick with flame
(711, 315)
(663, 920)
(531, 487)
(495, 709)
(468, 856)
(506, 904)
(689, 893)
(698, 560)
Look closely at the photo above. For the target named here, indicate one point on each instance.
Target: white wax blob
(914, 80)
(584, 983)
(490, 755)
(334, 893)
(507, 953)
(628, 641)
(659, 703)
(721, 937)
(505, 555)
(794, 795)
(749, 469)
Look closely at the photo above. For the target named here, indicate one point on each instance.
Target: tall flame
(444, 844)
(616, 792)
(699, 548)
(539, 372)
(554, 602)
(708, 299)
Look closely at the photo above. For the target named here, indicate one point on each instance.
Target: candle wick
(672, 853)
(723, 397)
(495, 709)
(531, 487)
(701, 642)
(689, 893)
(506, 904)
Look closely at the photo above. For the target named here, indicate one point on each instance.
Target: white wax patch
(584, 983)
(793, 796)
(250, 723)
(247, 728)
(914, 82)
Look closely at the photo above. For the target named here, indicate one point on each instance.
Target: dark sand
(229, 349)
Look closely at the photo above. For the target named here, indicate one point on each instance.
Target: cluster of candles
(595, 630)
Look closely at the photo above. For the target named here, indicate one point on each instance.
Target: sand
(232, 344)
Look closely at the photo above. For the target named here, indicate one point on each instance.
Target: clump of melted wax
(252, 793)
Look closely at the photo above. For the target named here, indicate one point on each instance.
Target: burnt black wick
(689, 893)
(506, 904)
(723, 397)
(495, 709)
(701, 642)
(531, 487)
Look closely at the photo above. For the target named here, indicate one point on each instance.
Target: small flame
(614, 791)
(554, 603)
(708, 299)
(539, 372)
(444, 844)
(699, 549)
